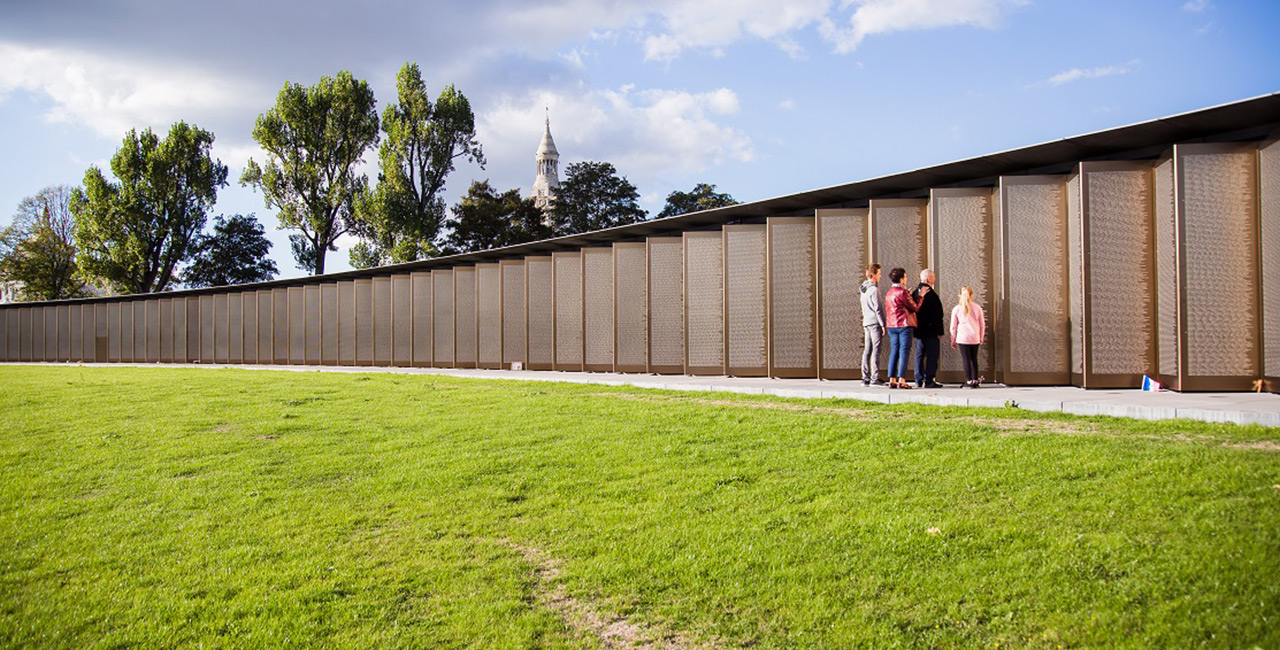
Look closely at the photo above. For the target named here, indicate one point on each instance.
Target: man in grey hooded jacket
(873, 326)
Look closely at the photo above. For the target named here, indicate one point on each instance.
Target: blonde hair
(966, 301)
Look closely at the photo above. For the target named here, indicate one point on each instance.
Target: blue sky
(759, 97)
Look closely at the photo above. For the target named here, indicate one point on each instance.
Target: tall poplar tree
(401, 217)
(135, 232)
(314, 138)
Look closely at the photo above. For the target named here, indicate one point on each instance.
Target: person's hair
(896, 275)
(966, 298)
(872, 269)
(924, 274)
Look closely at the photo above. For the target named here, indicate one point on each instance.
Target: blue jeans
(926, 359)
(899, 350)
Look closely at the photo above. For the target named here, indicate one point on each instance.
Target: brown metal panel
(139, 330)
(704, 303)
(221, 329)
(598, 309)
(297, 326)
(631, 306)
(514, 341)
(961, 253)
(249, 330)
(746, 299)
(4, 334)
(114, 344)
(280, 326)
(1166, 263)
(81, 333)
(13, 334)
(235, 328)
(192, 321)
(126, 332)
(28, 333)
(166, 330)
(75, 334)
(208, 329)
(842, 259)
(364, 322)
(541, 313)
(347, 323)
(1269, 240)
(442, 317)
(311, 316)
(266, 327)
(1118, 335)
(422, 319)
(151, 308)
(1218, 220)
(899, 238)
(1036, 347)
(402, 320)
(329, 324)
(792, 297)
(464, 316)
(63, 351)
(37, 334)
(488, 315)
(382, 321)
(666, 305)
(998, 298)
(568, 309)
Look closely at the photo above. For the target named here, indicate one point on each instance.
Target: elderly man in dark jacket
(929, 329)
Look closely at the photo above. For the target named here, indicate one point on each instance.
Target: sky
(761, 98)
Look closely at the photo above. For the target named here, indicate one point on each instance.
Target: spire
(547, 161)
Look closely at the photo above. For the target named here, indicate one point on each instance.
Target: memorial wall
(1161, 260)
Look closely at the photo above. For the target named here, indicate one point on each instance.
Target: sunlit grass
(170, 507)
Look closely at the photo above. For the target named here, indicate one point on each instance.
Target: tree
(592, 197)
(400, 219)
(134, 233)
(314, 138)
(38, 249)
(236, 253)
(703, 197)
(485, 219)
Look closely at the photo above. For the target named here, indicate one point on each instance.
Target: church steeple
(547, 160)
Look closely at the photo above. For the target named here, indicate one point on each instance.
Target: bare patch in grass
(611, 631)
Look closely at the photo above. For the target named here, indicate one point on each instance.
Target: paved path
(1239, 408)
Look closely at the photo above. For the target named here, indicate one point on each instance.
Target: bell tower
(547, 160)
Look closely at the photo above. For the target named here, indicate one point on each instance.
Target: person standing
(873, 326)
(900, 317)
(929, 329)
(968, 329)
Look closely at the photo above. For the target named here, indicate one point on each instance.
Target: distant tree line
(142, 229)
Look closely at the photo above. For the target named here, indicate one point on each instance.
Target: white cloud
(787, 104)
(647, 134)
(1196, 6)
(1076, 74)
(716, 24)
(113, 95)
(888, 16)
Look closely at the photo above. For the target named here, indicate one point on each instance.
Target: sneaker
(877, 382)
(866, 382)
(934, 384)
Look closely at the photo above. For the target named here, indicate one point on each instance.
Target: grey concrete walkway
(1238, 408)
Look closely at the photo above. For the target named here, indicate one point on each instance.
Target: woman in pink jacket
(967, 332)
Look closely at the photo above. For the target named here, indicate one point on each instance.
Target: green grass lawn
(164, 507)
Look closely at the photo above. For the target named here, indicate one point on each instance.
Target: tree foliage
(485, 219)
(401, 218)
(314, 138)
(235, 253)
(38, 249)
(593, 197)
(703, 197)
(133, 234)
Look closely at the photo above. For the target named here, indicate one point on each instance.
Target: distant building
(9, 291)
(547, 159)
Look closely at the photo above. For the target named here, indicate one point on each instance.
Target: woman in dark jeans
(900, 317)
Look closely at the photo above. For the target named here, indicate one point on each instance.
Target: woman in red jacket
(900, 314)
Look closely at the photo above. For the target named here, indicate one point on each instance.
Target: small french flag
(1149, 384)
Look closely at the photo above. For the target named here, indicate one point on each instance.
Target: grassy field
(231, 508)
